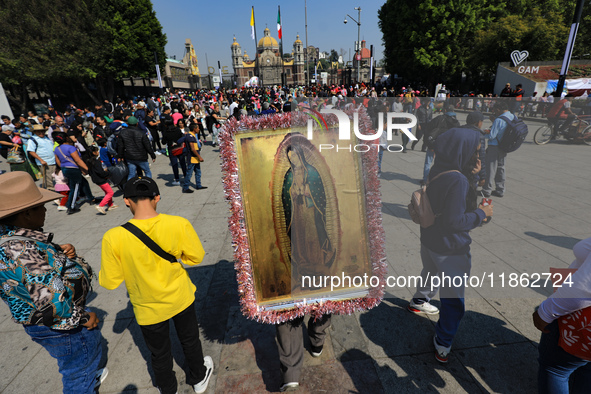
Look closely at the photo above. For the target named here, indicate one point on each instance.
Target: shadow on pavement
(168, 178)
(558, 240)
(130, 388)
(222, 321)
(406, 339)
(397, 210)
(362, 371)
(395, 176)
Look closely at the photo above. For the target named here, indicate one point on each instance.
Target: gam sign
(528, 69)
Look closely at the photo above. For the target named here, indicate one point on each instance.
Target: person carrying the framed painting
(290, 344)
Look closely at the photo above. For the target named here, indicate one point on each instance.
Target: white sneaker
(62, 208)
(176, 183)
(441, 352)
(101, 210)
(316, 351)
(114, 206)
(202, 386)
(289, 386)
(57, 201)
(425, 307)
(157, 153)
(100, 376)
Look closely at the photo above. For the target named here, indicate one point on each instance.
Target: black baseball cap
(474, 117)
(140, 186)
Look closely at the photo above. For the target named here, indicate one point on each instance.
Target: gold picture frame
(323, 235)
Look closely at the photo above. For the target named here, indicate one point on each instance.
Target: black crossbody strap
(149, 242)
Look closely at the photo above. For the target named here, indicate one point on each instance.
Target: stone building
(268, 63)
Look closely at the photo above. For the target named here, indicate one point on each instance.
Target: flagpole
(256, 52)
(569, 47)
(306, 49)
(281, 48)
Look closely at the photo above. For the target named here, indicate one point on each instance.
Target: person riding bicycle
(561, 111)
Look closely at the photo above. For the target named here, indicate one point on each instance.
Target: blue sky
(211, 25)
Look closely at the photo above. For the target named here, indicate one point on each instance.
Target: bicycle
(579, 131)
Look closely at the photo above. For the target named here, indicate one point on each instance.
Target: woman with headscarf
(445, 246)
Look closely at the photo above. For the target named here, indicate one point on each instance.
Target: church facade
(268, 64)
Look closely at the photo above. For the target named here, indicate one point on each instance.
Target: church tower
(237, 63)
(298, 61)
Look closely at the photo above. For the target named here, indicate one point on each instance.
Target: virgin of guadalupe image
(308, 222)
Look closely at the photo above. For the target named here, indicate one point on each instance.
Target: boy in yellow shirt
(159, 289)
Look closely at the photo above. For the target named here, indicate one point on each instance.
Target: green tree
(57, 44)
(334, 56)
(432, 39)
(132, 35)
(435, 40)
(41, 44)
(543, 36)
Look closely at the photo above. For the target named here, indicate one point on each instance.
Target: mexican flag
(279, 22)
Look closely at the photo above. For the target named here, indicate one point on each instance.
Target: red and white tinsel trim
(237, 224)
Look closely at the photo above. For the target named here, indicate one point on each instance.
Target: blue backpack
(514, 135)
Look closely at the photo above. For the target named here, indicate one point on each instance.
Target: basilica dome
(267, 41)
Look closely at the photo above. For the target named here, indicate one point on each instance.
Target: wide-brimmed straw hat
(38, 127)
(18, 192)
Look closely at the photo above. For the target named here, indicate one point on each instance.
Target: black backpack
(31, 158)
(437, 126)
(112, 144)
(514, 135)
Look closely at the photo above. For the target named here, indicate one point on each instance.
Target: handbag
(149, 242)
(15, 156)
(177, 150)
(575, 333)
(419, 208)
(118, 173)
(575, 328)
(179, 147)
(33, 170)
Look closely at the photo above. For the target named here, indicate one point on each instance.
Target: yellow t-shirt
(158, 289)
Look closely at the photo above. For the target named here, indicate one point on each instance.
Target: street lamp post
(358, 45)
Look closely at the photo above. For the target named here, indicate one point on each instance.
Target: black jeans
(201, 132)
(157, 338)
(155, 139)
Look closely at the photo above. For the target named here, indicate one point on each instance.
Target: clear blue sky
(211, 25)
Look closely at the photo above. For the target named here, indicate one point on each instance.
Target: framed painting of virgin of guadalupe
(306, 218)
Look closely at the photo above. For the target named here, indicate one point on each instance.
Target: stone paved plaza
(545, 211)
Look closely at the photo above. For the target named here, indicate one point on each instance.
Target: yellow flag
(252, 22)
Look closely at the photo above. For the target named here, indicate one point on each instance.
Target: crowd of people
(112, 144)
